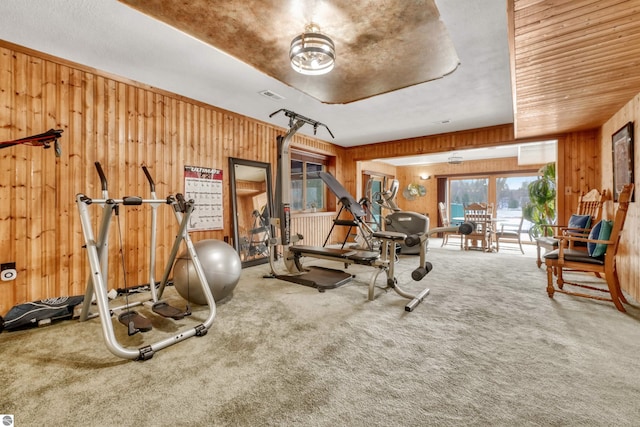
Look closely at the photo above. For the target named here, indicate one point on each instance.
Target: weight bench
(383, 261)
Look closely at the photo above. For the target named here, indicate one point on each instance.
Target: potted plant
(541, 208)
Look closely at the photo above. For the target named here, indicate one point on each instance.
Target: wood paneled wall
(629, 251)
(578, 161)
(485, 137)
(356, 156)
(123, 125)
(578, 169)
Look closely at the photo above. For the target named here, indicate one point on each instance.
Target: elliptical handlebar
(103, 178)
(152, 185)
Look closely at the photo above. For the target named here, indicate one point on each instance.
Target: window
(373, 184)
(464, 191)
(509, 193)
(471, 190)
(308, 191)
(512, 194)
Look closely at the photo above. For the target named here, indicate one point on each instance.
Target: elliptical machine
(398, 220)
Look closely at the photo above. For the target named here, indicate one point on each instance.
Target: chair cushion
(580, 221)
(547, 242)
(601, 231)
(574, 255)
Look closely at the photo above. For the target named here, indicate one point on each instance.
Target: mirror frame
(233, 161)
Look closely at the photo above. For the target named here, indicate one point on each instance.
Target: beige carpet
(487, 347)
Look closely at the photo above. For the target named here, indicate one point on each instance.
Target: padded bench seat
(319, 250)
(357, 256)
(364, 257)
(390, 235)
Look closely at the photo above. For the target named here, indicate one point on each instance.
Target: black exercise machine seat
(390, 235)
(356, 256)
(316, 250)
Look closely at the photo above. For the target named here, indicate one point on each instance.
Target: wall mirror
(251, 204)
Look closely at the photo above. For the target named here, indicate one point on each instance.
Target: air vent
(271, 95)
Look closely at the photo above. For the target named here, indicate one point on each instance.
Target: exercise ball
(222, 267)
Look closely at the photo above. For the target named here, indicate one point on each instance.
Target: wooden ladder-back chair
(444, 218)
(599, 259)
(480, 214)
(590, 204)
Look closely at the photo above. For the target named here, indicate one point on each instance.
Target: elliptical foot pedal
(135, 322)
(165, 310)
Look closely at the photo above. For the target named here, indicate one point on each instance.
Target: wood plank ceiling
(574, 62)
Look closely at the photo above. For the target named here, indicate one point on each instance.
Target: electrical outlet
(8, 271)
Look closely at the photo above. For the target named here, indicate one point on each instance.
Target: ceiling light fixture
(455, 159)
(312, 53)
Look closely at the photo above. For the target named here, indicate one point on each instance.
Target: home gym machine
(383, 260)
(97, 252)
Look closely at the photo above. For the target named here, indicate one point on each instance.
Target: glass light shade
(312, 52)
(455, 160)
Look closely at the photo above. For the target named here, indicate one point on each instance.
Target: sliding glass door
(508, 193)
(463, 191)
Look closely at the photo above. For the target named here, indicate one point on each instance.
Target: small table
(474, 242)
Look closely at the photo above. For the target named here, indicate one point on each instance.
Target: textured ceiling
(111, 36)
(574, 64)
(381, 46)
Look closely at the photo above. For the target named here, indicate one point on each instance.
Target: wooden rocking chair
(603, 265)
(590, 204)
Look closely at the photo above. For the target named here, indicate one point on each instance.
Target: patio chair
(444, 218)
(510, 233)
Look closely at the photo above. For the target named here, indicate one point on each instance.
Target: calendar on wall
(204, 186)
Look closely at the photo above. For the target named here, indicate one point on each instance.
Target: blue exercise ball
(222, 268)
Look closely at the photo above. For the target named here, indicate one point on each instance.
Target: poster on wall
(204, 186)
